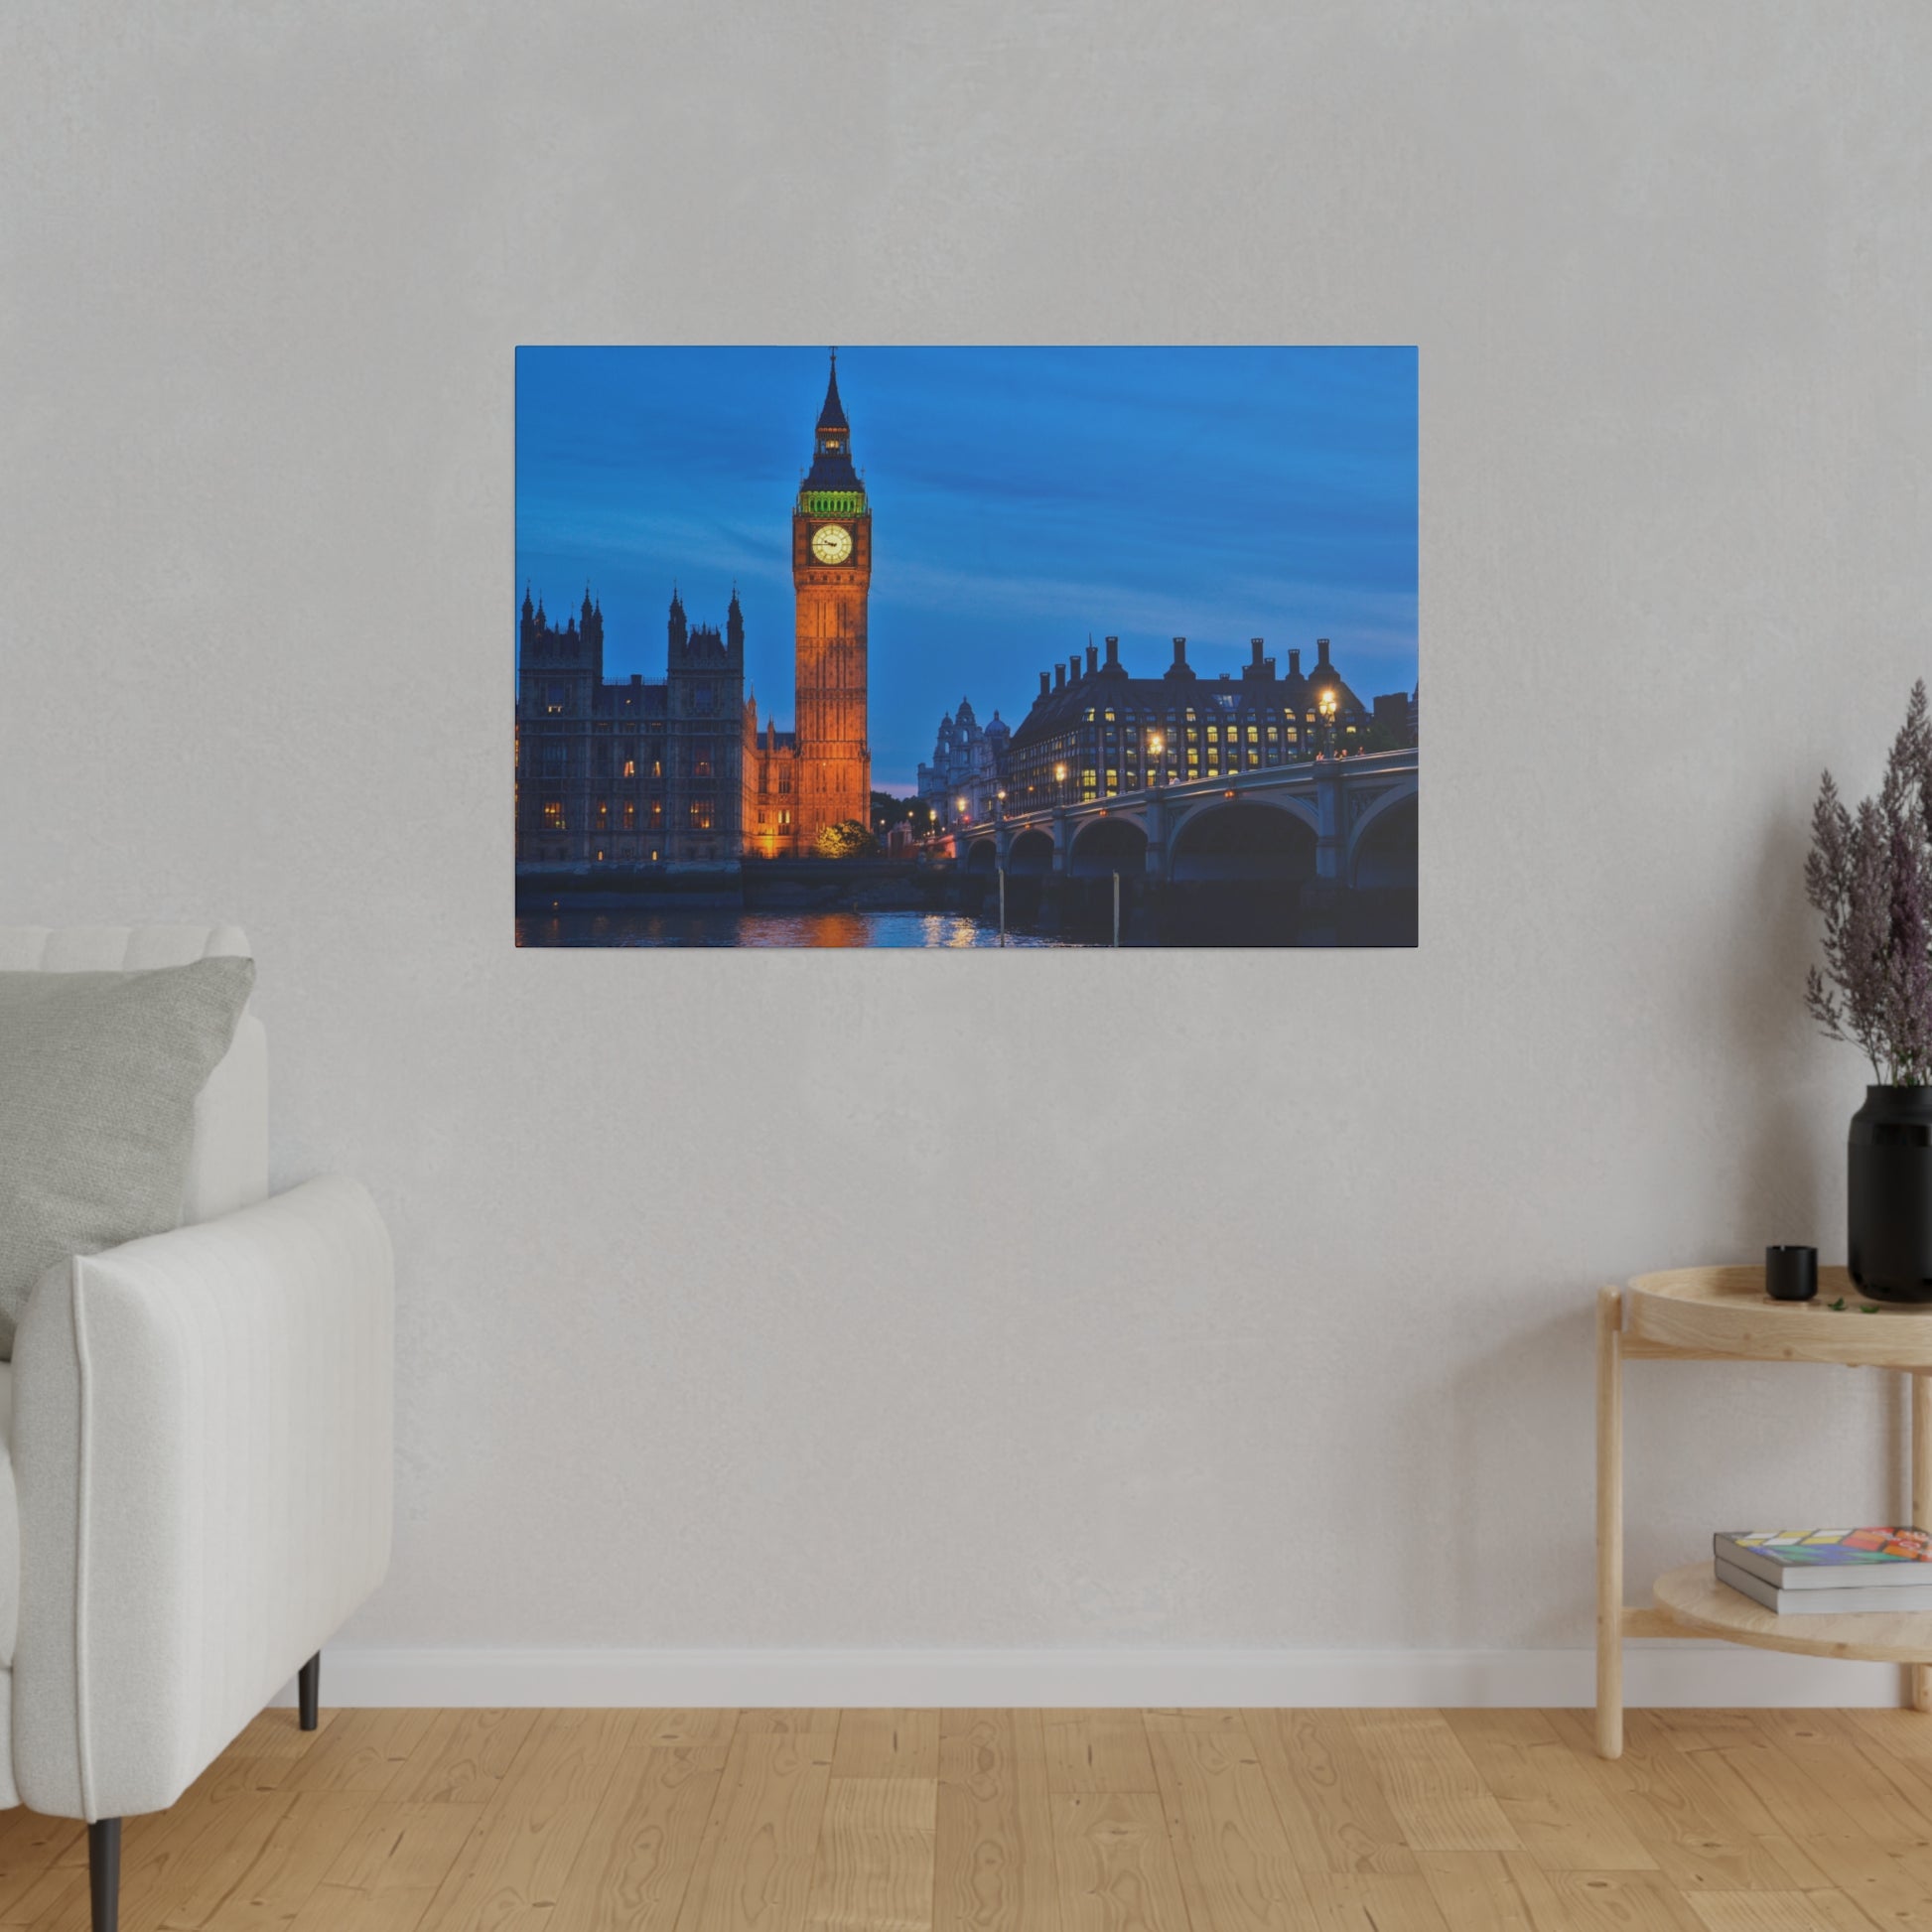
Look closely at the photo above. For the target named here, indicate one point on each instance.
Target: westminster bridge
(1335, 838)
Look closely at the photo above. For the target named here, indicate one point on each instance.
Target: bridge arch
(1301, 809)
(1382, 847)
(982, 856)
(1244, 839)
(1031, 852)
(1114, 843)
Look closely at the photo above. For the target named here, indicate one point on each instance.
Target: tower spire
(832, 416)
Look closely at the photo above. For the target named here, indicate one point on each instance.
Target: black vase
(1890, 1194)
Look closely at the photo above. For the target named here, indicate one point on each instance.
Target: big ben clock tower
(831, 573)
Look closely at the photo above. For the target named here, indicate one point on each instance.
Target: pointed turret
(680, 631)
(735, 623)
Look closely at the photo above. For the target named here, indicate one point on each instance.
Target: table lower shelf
(1696, 1603)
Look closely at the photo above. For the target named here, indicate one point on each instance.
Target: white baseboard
(1664, 1675)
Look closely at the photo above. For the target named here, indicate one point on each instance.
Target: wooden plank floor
(1023, 1821)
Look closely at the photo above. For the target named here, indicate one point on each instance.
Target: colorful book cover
(1824, 1549)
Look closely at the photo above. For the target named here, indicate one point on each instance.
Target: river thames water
(727, 926)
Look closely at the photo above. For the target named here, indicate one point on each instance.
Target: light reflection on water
(726, 926)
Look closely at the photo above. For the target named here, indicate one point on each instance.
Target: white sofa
(196, 1434)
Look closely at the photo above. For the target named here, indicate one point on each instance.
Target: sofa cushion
(98, 1077)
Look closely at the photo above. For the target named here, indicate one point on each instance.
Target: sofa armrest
(202, 1448)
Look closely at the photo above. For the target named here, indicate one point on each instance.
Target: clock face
(831, 543)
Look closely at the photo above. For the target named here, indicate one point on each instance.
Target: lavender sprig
(1870, 877)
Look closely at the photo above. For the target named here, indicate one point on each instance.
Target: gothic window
(553, 816)
(553, 699)
(556, 758)
(784, 781)
(701, 756)
(604, 814)
(701, 814)
(630, 768)
(629, 815)
(701, 698)
(600, 761)
(656, 817)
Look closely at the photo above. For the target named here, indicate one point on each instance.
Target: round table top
(1726, 1312)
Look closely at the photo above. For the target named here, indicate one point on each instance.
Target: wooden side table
(1706, 1314)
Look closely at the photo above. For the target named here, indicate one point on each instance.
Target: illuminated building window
(599, 852)
(701, 755)
(629, 815)
(653, 855)
(701, 814)
(1089, 783)
(1273, 733)
(604, 814)
(553, 816)
(656, 816)
(630, 768)
(784, 818)
(1113, 780)
(1254, 733)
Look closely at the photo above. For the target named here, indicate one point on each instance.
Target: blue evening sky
(1023, 499)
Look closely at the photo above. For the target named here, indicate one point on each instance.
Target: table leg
(1921, 1384)
(1610, 1523)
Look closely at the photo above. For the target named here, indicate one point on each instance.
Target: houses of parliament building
(681, 772)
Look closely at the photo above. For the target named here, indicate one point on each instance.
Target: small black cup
(1791, 1274)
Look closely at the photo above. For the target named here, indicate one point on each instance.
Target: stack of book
(1827, 1573)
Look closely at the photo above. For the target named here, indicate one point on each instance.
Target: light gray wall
(1183, 1298)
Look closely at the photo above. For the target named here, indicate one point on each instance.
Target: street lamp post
(1059, 781)
(1328, 704)
(1156, 745)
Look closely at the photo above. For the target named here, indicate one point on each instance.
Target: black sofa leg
(308, 1690)
(104, 1873)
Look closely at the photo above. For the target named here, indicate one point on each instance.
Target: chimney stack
(1060, 677)
(1179, 653)
(1255, 646)
(1113, 653)
(1322, 645)
(1073, 668)
(1093, 659)
(1295, 663)
(1045, 684)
